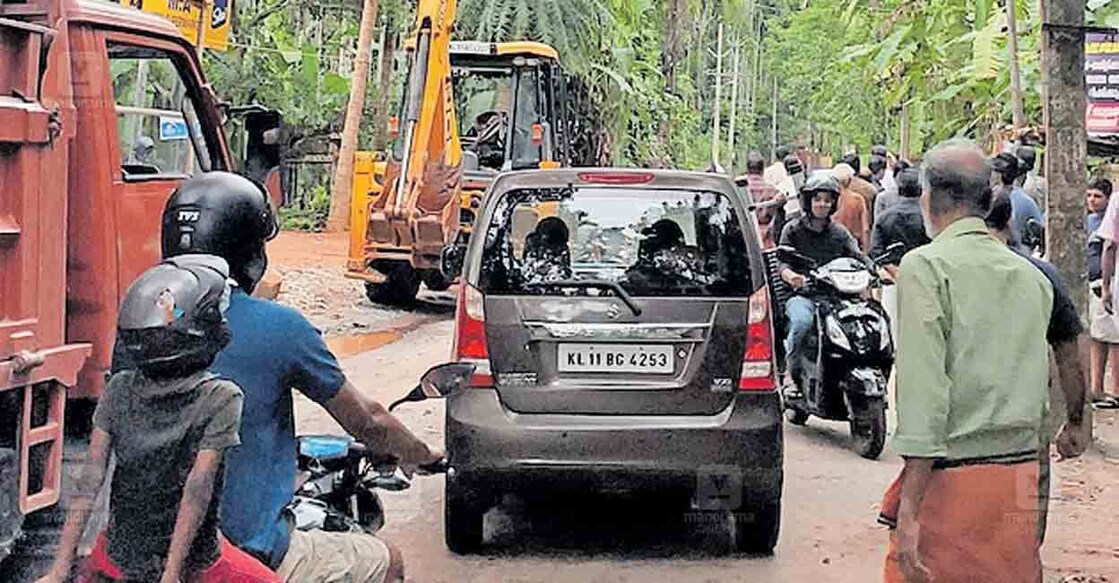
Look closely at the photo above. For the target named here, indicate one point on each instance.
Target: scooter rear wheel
(868, 429)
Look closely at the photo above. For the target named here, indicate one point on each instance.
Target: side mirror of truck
(450, 261)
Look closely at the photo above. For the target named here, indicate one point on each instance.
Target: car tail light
(470, 334)
(537, 133)
(616, 177)
(757, 361)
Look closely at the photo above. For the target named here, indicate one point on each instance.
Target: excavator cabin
(504, 109)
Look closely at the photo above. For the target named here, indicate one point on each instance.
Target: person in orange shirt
(852, 212)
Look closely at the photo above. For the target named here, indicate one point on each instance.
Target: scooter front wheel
(868, 428)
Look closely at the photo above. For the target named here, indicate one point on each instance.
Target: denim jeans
(800, 312)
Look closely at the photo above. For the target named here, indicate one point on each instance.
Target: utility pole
(733, 108)
(717, 121)
(773, 152)
(756, 73)
(1019, 111)
(1066, 142)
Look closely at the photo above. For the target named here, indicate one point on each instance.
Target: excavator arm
(421, 201)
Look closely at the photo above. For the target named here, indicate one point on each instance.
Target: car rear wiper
(593, 284)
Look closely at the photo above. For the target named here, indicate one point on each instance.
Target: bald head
(957, 177)
(843, 174)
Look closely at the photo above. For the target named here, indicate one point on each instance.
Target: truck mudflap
(40, 380)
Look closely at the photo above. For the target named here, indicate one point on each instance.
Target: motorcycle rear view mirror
(789, 255)
(438, 382)
(893, 254)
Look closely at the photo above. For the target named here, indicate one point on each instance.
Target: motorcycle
(842, 371)
(336, 490)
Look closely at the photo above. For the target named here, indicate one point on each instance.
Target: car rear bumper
(493, 448)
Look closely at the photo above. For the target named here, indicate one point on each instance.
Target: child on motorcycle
(816, 236)
(167, 422)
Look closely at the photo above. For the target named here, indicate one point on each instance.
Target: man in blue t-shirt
(1026, 219)
(273, 350)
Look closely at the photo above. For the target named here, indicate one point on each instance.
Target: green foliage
(944, 60)
(312, 216)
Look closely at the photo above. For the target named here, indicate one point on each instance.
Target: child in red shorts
(167, 421)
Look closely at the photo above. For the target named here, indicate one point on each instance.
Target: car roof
(660, 179)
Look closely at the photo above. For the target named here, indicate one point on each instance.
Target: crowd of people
(200, 419)
(970, 228)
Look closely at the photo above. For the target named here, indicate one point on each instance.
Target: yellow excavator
(470, 110)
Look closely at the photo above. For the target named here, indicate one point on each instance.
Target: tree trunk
(340, 187)
(384, 87)
(905, 136)
(733, 111)
(1066, 144)
(1015, 78)
(670, 60)
(717, 118)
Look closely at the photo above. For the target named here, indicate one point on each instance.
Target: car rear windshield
(651, 242)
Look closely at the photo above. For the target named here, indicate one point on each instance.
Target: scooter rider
(814, 235)
(274, 350)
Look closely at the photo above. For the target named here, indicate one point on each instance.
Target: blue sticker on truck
(172, 128)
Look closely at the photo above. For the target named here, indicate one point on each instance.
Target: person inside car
(817, 237)
(664, 261)
(547, 255)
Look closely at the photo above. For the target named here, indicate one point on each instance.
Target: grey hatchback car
(620, 324)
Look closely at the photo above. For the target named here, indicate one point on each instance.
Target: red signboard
(1103, 118)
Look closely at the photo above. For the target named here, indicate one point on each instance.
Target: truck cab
(103, 112)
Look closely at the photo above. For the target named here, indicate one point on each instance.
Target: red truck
(103, 112)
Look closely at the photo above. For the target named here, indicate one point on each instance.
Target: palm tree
(571, 26)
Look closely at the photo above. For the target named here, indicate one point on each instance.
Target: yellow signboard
(205, 22)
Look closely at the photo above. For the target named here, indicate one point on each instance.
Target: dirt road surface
(830, 503)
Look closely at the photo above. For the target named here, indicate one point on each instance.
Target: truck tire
(399, 289)
(11, 520)
(42, 530)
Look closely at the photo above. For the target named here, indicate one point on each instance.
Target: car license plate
(615, 358)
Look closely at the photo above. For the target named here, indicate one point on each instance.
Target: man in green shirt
(972, 374)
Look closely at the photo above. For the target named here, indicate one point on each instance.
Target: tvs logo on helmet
(189, 216)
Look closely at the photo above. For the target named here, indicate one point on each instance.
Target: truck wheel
(756, 531)
(868, 429)
(11, 520)
(463, 518)
(42, 530)
(436, 281)
(399, 289)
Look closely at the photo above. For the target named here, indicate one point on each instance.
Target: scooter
(336, 490)
(841, 374)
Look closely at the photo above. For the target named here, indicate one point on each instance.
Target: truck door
(153, 127)
(160, 142)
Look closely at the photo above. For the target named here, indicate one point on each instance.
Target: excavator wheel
(399, 289)
(436, 281)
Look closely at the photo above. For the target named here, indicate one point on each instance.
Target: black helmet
(820, 181)
(1006, 165)
(221, 214)
(793, 165)
(171, 320)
